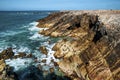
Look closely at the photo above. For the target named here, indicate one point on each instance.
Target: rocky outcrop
(43, 50)
(6, 71)
(6, 54)
(49, 20)
(90, 49)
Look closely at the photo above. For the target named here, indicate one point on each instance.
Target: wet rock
(2, 65)
(55, 63)
(21, 54)
(7, 54)
(6, 72)
(29, 55)
(39, 67)
(51, 70)
(36, 60)
(43, 50)
(45, 72)
(43, 61)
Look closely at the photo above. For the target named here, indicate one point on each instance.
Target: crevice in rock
(97, 36)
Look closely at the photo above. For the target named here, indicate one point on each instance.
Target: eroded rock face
(91, 50)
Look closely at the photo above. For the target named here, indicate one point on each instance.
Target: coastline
(90, 46)
(75, 45)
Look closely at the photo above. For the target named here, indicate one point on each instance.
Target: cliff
(90, 49)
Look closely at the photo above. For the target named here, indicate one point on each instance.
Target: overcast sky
(58, 4)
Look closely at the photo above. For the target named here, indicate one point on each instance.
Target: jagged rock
(44, 61)
(45, 72)
(2, 65)
(20, 55)
(43, 50)
(39, 67)
(49, 20)
(51, 70)
(7, 54)
(55, 63)
(91, 49)
(29, 55)
(6, 72)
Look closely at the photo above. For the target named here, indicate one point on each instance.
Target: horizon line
(60, 10)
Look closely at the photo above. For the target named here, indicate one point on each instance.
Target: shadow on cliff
(33, 73)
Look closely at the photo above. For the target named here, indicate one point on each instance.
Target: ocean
(18, 30)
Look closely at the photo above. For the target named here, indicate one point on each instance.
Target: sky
(59, 4)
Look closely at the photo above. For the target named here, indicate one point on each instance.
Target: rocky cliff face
(90, 49)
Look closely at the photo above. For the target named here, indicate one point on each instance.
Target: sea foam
(19, 63)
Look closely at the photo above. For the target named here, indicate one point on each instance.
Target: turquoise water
(17, 29)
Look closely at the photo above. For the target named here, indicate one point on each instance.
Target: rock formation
(6, 71)
(6, 54)
(43, 50)
(90, 49)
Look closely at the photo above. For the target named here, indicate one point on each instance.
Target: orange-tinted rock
(91, 49)
(2, 66)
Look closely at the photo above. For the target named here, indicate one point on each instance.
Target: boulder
(43, 61)
(43, 50)
(29, 55)
(51, 70)
(22, 54)
(7, 54)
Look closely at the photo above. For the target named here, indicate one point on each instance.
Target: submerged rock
(43, 60)
(51, 70)
(43, 50)
(91, 48)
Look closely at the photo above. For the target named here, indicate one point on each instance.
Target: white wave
(34, 36)
(34, 31)
(16, 49)
(50, 55)
(33, 26)
(37, 36)
(21, 49)
(19, 63)
(10, 33)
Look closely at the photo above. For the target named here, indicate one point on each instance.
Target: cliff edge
(90, 48)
